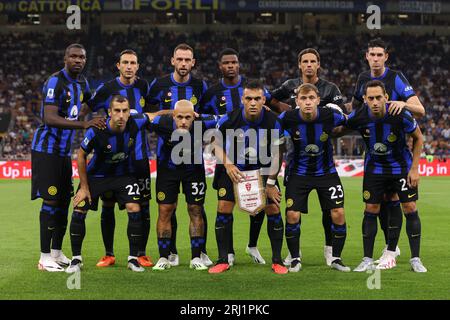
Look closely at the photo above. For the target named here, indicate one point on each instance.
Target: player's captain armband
(51, 93)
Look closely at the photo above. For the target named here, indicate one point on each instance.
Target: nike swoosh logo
(277, 229)
(218, 228)
(411, 195)
(165, 100)
(135, 235)
(222, 104)
(366, 136)
(290, 237)
(68, 100)
(198, 199)
(339, 237)
(339, 202)
(415, 235)
(136, 198)
(51, 229)
(75, 235)
(146, 195)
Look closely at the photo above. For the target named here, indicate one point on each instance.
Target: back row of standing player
(223, 97)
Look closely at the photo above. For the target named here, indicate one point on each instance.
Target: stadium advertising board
(49, 6)
(345, 168)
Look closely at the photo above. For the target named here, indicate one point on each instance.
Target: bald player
(180, 161)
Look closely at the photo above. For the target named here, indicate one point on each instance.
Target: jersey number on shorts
(336, 189)
(196, 190)
(144, 184)
(131, 188)
(403, 181)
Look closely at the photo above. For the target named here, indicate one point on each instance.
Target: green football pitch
(19, 254)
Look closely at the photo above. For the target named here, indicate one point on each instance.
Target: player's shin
(173, 238)
(145, 214)
(384, 220)
(77, 232)
(134, 232)
(47, 226)
(275, 230)
(292, 232)
(205, 229)
(60, 227)
(339, 234)
(108, 224)
(255, 228)
(369, 231)
(326, 223)
(395, 224)
(223, 234)
(413, 230)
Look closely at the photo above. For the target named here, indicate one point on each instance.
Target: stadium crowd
(268, 56)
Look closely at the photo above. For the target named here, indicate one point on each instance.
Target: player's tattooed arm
(413, 174)
(413, 104)
(82, 193)
(53, 119)
(152, 115)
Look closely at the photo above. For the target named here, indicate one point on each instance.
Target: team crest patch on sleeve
(51, 93)
(194, 100)
(366, 195)
(392, 137)
(52, 190)
(323, 137)
(142, 102)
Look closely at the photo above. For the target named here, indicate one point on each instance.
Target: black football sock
(223, 233)
(47, 221)
(197, 243)
(326, 223)
(145, 214)
(108, 224)
(134, 232)
(164, 247)
(339, 234)
(384, 220)
(413, 230)
(292, 232)
(60, 227)
(275, 231)
(395, 224)
(231, 244)
(77, 232)
(205, 230)
(173, 239)
(369, 231)
(255, 228)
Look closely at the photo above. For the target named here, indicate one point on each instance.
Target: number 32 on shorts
(198, 188)
(336, 192)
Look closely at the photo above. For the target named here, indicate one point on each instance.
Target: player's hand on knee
(396, 107)
(413, 178)
(274, 194)
(81, 195)
(99, 123)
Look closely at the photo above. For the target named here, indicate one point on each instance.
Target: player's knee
(133, 207)
(409, 207)
(271, 209)
(293, 217)
(195, 211)
(225, 206)
(165, 211)
(373, 208)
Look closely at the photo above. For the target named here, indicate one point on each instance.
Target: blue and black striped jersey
(135, 93)
(397, 86)
(248, 144)
(113, 152)
(165, 92)
(313, 150)
(67, 94)
(220, 98)
(186, 147)
(385, 140)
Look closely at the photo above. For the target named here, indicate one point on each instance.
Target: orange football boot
(106, 261)
(279, 269)
(219, 268)
(145, 261)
